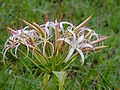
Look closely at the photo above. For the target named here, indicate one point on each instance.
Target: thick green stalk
(46, 78)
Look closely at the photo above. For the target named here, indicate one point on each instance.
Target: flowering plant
(54, 46)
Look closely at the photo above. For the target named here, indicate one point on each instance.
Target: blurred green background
(101, 69)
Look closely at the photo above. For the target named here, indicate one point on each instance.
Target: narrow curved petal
(69, 54)
(67, 23)
(85, 45)
(25, 28)
(90, 30)
(82, 55)
(52, 24)
(49, 24)
(47, 31)
(44, 48)
(36, 46)
(12, 52)
(5, 52)
(5, 46)
(80, 39)
(16, 49)
(61, 27)
(65, 39)
(74, 37)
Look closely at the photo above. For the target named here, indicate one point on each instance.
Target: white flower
(75, 44)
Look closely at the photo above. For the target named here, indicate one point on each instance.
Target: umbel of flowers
(54, 46)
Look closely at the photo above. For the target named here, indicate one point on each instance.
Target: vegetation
(101, 70)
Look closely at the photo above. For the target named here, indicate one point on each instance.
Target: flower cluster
(53, 45)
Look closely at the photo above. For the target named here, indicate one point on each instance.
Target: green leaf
(45, 80)
(67, 64)
(61, 78)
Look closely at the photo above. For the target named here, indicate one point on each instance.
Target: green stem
(46, 78)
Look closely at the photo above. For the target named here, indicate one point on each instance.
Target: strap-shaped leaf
(61, 78)
(46, 78)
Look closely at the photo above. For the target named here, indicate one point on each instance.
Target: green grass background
(101, 69)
